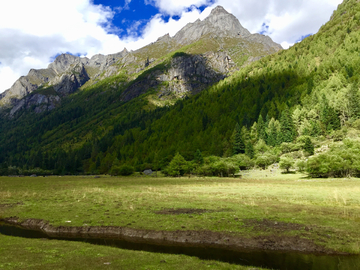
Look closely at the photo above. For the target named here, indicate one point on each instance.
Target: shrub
(286, 163)
(265, 160)
(242, 161)
(300, 165)
(123, 170)
(340, 161)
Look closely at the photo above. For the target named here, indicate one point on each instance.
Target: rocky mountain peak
(219, 22)
(218, 10)
(62, 62)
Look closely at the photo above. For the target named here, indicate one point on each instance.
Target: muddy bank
(207, 239)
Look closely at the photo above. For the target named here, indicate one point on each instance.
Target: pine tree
(237, 141)
(353, 96)
(287, 127)
(309, 147)
(198, 158)
(328, 115)
(249, 149)
(261, 128)
(177, 166)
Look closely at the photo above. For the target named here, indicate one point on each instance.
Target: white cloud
(40, 29)
(176, 7)
(32, 34)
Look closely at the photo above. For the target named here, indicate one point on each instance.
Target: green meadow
(261, 203)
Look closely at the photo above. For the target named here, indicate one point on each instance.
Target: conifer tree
(177, 166)
(261, 128)
(353, 96)
(309, 147)
(198, 158)
(287, 127)
(328, 115)
(237, 141)
(249, 149)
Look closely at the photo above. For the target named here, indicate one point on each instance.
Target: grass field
(262, 203)
(21, 253)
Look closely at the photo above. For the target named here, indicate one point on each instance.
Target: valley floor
(261, 210)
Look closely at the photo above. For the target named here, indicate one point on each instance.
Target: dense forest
(299, 107)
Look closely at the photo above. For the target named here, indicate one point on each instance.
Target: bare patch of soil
(272, 225)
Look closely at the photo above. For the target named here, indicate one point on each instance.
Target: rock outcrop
(184, 74)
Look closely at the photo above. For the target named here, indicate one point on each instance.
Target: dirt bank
(175, 238)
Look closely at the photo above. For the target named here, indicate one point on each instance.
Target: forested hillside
(276, 109)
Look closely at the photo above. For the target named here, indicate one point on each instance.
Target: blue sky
(31, 36)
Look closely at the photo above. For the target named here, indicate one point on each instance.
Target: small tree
(198, 158)
(177, 166)
(308, 146)
(237, 141)
(286, 163)
(249, 149)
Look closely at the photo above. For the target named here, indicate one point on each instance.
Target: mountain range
(212, 90)
(228, 40)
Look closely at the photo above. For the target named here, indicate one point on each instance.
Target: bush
(356, 124)
(337, 135)
(340, 161)
(123, 170)
(300, 165)
(265, 160)
(242, 161)
(215, 166)
(286, 163)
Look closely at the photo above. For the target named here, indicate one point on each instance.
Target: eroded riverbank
(271, 252)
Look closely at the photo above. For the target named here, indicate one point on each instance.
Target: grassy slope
(325, 211)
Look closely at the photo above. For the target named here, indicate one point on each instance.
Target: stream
(266, 259)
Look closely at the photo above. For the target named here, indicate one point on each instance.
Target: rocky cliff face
(190, 72)
(219, 22)
(184, 74)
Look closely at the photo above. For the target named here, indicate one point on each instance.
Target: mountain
(220, 43)
(157, 105)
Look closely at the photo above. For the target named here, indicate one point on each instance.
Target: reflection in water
(265, 259)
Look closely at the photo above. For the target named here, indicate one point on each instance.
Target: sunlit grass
(325, 205)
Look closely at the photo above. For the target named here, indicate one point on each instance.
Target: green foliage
(287, 128)
(177, 167)
(124, 170)
(309, 146)
(328, 116)
(238, 145)
(198, 158)
(221, 167)
(263, 161)
(339, 161)
(300, 165)
(286, 163)
(249, 150)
